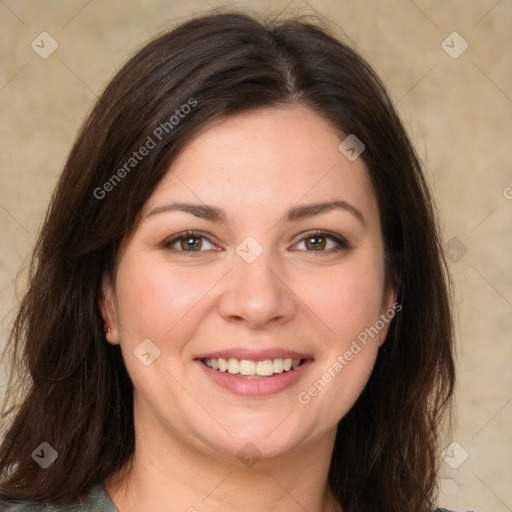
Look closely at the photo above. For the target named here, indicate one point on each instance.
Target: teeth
(263, 368)
(247, 367)
(278, 365)
(233, 366)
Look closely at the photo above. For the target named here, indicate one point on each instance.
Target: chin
(258, 443)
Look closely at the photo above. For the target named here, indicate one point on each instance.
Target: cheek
(162, 304)
(345, 301)
(348, 302)
(157, 301)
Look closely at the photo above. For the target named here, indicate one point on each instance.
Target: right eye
(188, 241)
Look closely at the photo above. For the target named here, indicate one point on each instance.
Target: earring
(107, 331)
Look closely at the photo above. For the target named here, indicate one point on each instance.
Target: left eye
(321, 242)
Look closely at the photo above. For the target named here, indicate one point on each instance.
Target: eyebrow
(294, 214)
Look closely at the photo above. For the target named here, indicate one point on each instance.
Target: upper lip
(254, 354)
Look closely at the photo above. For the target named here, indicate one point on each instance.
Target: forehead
(266, 158)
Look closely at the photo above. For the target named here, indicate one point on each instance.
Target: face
(261, 248)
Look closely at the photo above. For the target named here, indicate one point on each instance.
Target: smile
(246, 368)
(251, 378)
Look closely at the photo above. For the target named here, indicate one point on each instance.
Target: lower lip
(256, 387)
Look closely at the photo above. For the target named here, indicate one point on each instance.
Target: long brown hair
(73, 390)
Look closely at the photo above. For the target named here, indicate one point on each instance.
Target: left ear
(108, 310)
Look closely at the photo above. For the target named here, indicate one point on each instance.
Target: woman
(238, 298)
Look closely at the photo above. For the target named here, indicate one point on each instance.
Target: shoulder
(97, 500)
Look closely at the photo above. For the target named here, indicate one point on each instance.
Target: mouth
(255, 374)
(251, 369)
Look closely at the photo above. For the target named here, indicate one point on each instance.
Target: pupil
(191, 242)
(316, 242)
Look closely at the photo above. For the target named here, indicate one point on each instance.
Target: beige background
(458, 111)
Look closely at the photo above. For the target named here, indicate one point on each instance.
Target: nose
(257, 294)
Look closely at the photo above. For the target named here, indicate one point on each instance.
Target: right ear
(108, 310)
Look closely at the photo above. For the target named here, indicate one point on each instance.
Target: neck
(167, 470)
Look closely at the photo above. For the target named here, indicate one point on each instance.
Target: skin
(296, 295)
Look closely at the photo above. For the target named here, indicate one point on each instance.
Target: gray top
(96, 501)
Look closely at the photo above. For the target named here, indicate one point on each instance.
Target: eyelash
(341, 242)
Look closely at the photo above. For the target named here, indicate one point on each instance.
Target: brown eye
(188, 242)
(192, 243)
(322, 242)
(316, 243)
